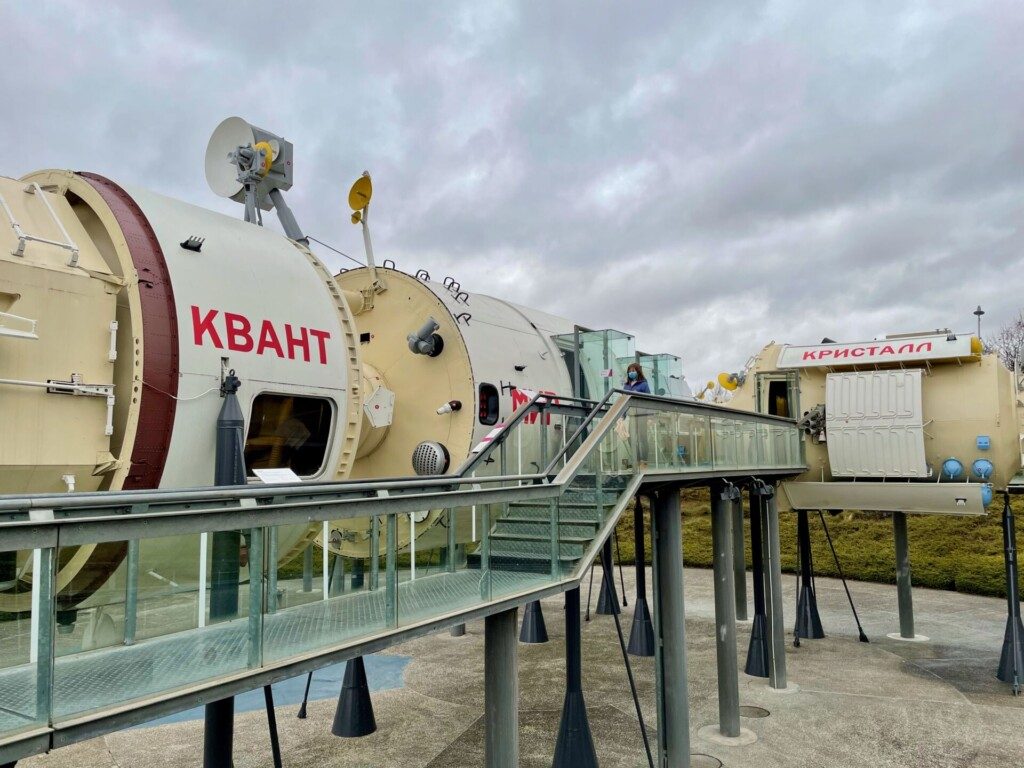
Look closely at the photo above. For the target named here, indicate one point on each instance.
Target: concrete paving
(883, 704)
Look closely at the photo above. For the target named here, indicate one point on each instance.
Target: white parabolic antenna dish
(221, 174)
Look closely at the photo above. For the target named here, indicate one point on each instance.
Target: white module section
(874, 424)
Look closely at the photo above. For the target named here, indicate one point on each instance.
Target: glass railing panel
(324, 599)
(453, 572)
(725, 442)
(26, 631)
(298, 569)
(155, 615)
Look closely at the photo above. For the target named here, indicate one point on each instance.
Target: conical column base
(808, 622)
(575, 745)
(1005, 671)
(607, 600)
(641, 637)
(534, 630)
(757, 653)
(354, 716)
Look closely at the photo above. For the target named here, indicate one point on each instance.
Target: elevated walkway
(74, 668)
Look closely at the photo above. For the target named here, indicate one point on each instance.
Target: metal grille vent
(430, 458)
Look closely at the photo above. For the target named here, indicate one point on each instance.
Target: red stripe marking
(159, 337)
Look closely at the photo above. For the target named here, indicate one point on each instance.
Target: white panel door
(874, 424)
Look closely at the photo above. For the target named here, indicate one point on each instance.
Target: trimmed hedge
(964, 554)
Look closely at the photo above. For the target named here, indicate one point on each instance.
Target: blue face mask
(631, 375)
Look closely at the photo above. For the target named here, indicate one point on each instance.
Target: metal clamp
(730, 492)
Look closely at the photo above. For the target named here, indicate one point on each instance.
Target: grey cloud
(708, 176)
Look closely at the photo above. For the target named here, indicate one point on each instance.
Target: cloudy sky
(708, 176)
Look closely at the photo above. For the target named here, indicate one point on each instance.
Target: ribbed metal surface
(874, 424)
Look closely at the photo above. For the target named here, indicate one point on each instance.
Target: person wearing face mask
(635, 381)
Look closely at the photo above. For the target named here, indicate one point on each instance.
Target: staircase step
(540, 537)
(532, 565)
(534, 550)
(567, 531)
(569, 515)
(516, 517)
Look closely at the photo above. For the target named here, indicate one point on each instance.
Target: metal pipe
(757, 651)
(641, 636)
(257, 582)
(904, 592)
(391, 572)
(670, 670)
(275, 746)
(808, 620)
(575, 745)
(229, 469)
(375, 552)
(131, 594)
(607, 599)
(632, 686)
(739, 559)
(307, 568)
(42, 610)
(722, 506)
(271, 574)
(501, 690)
(773, 593)
(284, 214)
(1011, 660)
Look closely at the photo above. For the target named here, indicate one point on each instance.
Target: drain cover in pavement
(747, 710)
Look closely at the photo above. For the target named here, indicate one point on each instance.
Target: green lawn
(962, 554)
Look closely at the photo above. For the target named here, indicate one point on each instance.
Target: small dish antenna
(361, 192)
(729, 381)
(253, 166)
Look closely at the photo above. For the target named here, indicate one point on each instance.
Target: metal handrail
(535, 404)
(695, 404)
(586, 422)
(572, 467)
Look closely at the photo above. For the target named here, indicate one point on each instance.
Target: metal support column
(307, 568)
(904, 591)
(575, 745)
(229, 469)
(757, 652)
(670, 629)
(1011, 660)
(337, 580)
(131, 596)
(354, 716)
(722, 506)
(501, 690)
(739, 559)
(607, 599)
(773, 589)
(641, 637)
(808, 621)
(534, 629)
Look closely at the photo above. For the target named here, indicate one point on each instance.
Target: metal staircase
(521, 537)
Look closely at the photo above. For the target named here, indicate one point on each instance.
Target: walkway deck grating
(85, 682)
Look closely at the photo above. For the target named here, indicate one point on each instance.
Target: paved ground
(887, 703)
